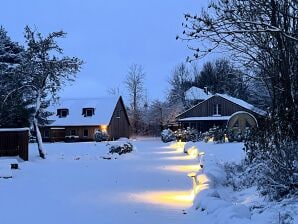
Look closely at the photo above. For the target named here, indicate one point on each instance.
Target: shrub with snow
(187, 135)
(215, 134)
(101, 136)
(168, 135)
(121, 149)
(274, 150)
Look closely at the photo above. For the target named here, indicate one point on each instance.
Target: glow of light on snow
(193, 151)
(187, 157)
(182, 168)
(177, 199)
(177, 145)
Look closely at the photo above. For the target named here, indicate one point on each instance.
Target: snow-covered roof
(103, 110)
(210, 118)
(13, 129)
(195, 93)
(242, 103)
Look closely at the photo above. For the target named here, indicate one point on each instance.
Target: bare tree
(180, 81)
(260, 34)
(134, 83)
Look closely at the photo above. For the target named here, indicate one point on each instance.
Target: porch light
(104, 128)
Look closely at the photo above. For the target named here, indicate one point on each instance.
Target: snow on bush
(215, 134)
(168, 135)
(101, 136)
(212, 199)
(121, 148)
(187, 135)
(275, 152)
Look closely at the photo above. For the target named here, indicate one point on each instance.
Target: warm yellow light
(177, 145)
(186, 157)
(211, 139)
(179, 199)
(193, 151)
(104, 128)
(182, 168)
(226, 138)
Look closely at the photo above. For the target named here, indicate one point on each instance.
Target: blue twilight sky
(109, 36)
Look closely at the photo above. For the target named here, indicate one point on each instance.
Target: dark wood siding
(14, 143)
(119, 125)
(205, 108)
(57, 134)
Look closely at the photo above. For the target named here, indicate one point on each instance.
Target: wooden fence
(14, 142)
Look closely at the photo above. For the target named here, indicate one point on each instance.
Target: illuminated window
(217, 109)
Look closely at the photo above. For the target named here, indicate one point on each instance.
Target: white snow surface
(104, 108)
(195, 93)
(14, 129)
(81, 183)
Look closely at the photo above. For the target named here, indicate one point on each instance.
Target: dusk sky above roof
(109, 36)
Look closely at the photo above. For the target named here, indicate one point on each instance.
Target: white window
(217, 109)
(88, 112)
(62, 112)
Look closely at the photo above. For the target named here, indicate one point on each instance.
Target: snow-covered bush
(234, 135)
(101, 136)
(214, 134)
(274, 149)
(168, 135)
(187, 135)
(121, 149)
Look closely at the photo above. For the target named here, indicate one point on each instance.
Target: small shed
(14, 142)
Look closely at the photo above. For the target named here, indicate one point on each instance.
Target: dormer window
(88, 112)
(62, 112)
(217, 109)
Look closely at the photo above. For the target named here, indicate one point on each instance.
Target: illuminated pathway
(157, 187)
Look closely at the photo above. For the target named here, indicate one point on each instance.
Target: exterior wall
(14, 143)
(119, 125)
(205, 108)
(202, 125)
(56, 134)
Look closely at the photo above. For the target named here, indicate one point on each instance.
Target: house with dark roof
(79, 119)
(217, 110)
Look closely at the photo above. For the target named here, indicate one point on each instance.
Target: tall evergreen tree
(14, 111)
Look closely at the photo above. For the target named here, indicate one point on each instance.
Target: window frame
(71, 132)
(85, 136)
(217, 109)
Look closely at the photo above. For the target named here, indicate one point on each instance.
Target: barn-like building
(79, 119)
(217, 110)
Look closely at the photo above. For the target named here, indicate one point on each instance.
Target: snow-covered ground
(78, 183)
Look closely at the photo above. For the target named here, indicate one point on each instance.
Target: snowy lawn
(79, 183)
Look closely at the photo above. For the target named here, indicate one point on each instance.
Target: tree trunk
(39, 139)
(36, 128)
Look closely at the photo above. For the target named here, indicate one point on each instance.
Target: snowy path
(75, 186)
